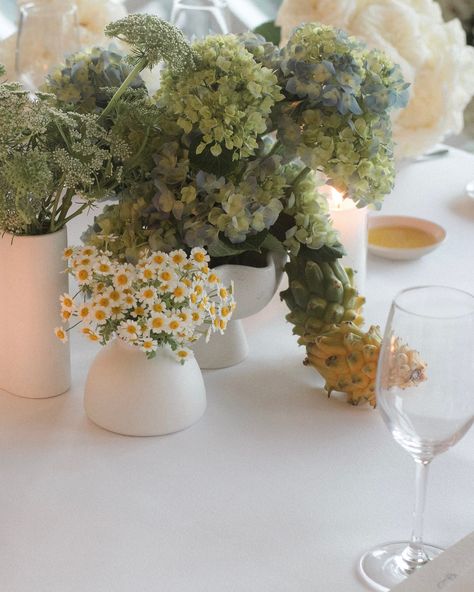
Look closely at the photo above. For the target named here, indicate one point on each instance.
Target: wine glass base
(384, 567)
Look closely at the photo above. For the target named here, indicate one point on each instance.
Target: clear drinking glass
(47, 32)
(425, 393)
(198, 18)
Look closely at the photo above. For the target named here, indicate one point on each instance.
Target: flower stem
(141, 65)
(301, 175)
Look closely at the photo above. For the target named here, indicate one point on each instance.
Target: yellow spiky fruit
(347, 357)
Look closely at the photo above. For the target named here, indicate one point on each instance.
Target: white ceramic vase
(131, 395)
(254, 288)
(33, 362)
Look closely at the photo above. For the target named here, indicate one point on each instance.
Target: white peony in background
(93, 16)
(433, 55)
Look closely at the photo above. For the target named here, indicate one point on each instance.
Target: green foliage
(270, 32)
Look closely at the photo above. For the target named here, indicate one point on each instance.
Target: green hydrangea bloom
(337, 117)
(225, 101)
(309, 209)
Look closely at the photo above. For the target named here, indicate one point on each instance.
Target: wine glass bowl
(199, 18)
(425, 394)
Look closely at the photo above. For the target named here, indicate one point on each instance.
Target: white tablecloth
(276, 489)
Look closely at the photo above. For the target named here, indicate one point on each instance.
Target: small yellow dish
(403, 237)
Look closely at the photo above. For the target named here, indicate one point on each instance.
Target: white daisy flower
(178, 257)
(147, 272)
(103, 266)
(159, 259)
(158, 306)
(199, 256)
(129, 330)
(180, 292)
(129, 301)
(100, 315)
(173, 324)
(123, 276)
(148, 295)
(149, 345)
(84, 311)
(167, 276)
(67, 303)
(68, 253)
(61, 334)
(83, 275)
(182, 354)
(157, 323)
(116, 312)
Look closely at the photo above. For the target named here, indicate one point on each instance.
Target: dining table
(277, 488)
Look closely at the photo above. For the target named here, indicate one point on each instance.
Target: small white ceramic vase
(131, 395)
(33, 362)
(254, 288)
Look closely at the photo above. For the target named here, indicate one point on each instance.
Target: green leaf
(271, 243)
(323, 255)
(224, 248)
(270, 31)
(202, 158)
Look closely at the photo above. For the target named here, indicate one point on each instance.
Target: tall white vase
(131, 395)
(33, 362)
(254, 288)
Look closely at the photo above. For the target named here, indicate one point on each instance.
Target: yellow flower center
(225, 311)
(104, 302)
(148, 274)
(114, 295)
(165, 276)
(174, 325)
(100, 315)
(104, 268)
(122, 279)
(178, 258)
(223, 293)
(158, 307)
(157, 323)
(83, 274)
(139, 311)
(199, 257)
(178, 292)
(84, 311)
(148, 293)
(131, 329)
(158, 259)
(68, 302)
(183, 354)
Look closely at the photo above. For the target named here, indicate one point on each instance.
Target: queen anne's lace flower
(432, 54)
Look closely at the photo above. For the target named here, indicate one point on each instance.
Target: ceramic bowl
(400, 253)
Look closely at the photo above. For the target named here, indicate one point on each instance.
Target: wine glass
(198, 18)
(47, 31)
(425, 393)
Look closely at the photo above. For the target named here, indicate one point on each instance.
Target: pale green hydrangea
(225, 102)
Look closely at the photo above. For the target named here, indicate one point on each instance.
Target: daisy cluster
(166, 300)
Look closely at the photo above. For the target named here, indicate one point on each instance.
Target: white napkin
(452, 571)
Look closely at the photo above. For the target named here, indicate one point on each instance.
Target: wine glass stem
(414, 555)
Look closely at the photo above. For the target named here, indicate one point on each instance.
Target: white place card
(452, 571)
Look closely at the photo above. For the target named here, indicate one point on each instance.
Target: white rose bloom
(433, 56)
